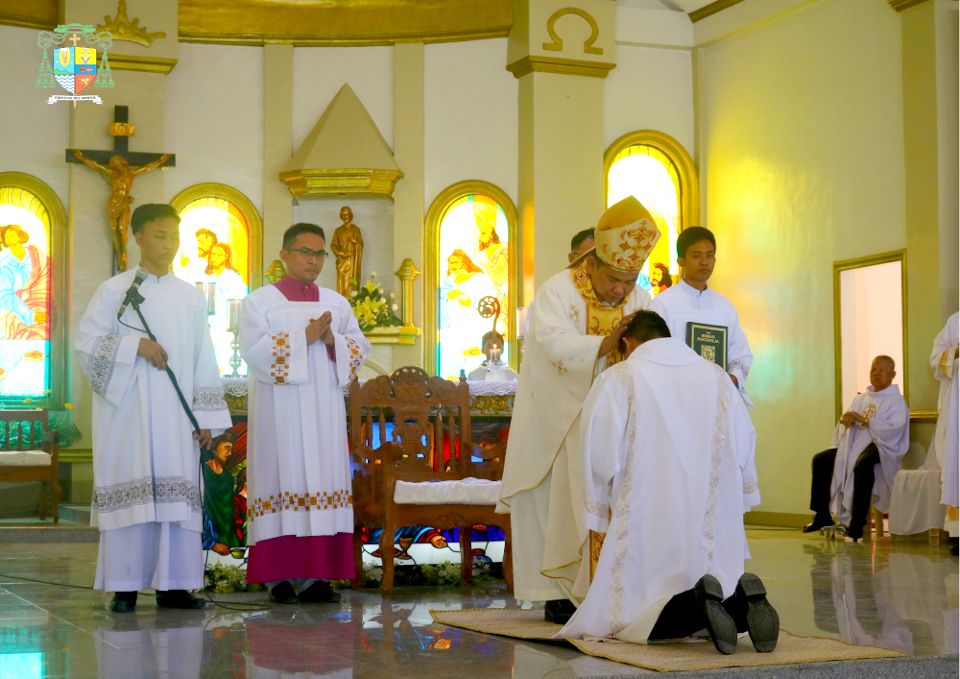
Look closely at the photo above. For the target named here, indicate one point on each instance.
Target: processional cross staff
(120, 166)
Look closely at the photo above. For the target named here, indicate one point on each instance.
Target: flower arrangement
(372, 308)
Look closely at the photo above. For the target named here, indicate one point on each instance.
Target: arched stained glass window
(659, 172)
(220, 236)
(470, 274)
(32, 337)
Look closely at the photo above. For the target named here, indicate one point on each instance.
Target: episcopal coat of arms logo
(74, 67)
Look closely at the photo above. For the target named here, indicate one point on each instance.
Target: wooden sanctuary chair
(28, 452)
(428, 472)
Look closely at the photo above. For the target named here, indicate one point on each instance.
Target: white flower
(353, 293)
(394, 307)
(393, 295)
(373, 274)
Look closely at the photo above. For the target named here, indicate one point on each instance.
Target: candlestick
(209, 292)
(234, 316)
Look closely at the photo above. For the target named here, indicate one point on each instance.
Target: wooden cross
(120, 166)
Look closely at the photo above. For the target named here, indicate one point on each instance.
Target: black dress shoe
(719, 623)
(763, 622)
(179, 598)
(558, 611)
(282, 593)
(319, 592)
(817, 524)
(123, 602)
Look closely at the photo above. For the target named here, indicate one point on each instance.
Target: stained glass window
(214, 255)
(25, 295)
(656, 169)
(473, 281)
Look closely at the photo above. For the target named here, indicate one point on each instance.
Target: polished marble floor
(898, 594)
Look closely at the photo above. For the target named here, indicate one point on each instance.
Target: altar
(225, 491)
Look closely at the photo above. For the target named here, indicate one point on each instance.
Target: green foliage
(225, 579)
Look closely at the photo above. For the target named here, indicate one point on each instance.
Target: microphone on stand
(133, 292)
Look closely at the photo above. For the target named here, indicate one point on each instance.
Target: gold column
(277, 144)
(560, 52)
(408, 196)
(929, 199)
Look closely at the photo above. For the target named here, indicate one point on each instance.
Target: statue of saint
(120, 175)
(347, 245)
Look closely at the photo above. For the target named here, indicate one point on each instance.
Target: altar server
(303, 346)
(691, 301)
(574, 334)
(146, 495)
(668, 472)
(943, 360)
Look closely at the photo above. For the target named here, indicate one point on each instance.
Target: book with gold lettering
(710, 341)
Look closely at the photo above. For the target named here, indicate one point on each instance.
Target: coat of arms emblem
(75, 66)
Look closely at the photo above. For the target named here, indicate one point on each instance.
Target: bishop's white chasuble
(542, 489)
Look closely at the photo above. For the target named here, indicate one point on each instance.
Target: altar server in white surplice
(943, 360)
(303, 346)
(574, 331)
(146, 496)
(871, 438)
(691, 300)
(668, 470)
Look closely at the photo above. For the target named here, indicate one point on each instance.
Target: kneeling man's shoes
(763, 622)
(124, 602)
(179, 598)
(719, 623)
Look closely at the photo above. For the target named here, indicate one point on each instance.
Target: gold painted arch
(557, 42)
(432, 266)
(33, 194)
(215, 192)
(678, 156)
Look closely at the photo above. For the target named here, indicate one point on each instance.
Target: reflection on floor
(896, 594)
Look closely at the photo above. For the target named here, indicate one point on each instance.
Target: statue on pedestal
(347, 245)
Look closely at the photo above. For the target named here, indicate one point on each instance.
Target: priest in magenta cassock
(943, 360)
(303, 346)
(667, 447)
(574, 334)
(146, 496)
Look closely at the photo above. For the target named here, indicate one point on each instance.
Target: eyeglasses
(311, 254)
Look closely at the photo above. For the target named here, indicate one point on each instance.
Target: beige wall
(801, 162)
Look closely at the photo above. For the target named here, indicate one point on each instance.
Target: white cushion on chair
(468, 491)
(25, 458)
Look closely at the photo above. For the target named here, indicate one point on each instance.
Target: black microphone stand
(134, 298)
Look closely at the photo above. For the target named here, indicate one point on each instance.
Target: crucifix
(120, 166)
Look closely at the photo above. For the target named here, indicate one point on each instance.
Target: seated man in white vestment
(574, 333)
(146, 457)
(873, 434)
(492, 368)
(691, 302)
(667, 461)
(943, 360)
(303, 346)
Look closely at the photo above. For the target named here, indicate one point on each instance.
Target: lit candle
(521, 322)
(234, 319)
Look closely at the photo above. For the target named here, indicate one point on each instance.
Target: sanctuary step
(73, 527)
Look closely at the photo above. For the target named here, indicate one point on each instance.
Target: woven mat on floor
(668, 657)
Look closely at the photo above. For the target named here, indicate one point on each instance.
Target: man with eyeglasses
(303, 346)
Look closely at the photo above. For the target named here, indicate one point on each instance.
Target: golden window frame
(431, 263)
(217, 191)
(60, 271)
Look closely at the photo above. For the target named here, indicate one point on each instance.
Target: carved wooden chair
(428, 472)
(29, 452)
